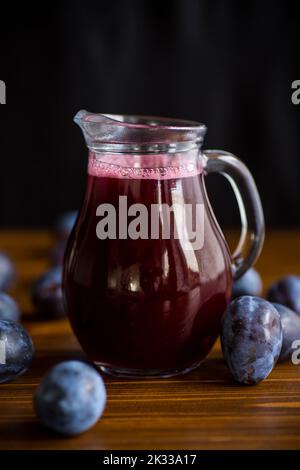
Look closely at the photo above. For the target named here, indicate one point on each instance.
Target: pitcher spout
(95, 127)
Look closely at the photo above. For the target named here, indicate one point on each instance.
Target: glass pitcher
(147, 272)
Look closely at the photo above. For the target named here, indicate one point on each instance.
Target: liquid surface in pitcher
(145, 304)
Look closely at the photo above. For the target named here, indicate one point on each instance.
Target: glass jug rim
(145, 121)
(135, 133)
(140, 121)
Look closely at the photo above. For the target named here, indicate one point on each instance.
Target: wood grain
(202, 410)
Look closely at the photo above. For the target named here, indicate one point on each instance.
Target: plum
(249, 283)
(9, 309)
(64, 224)
(286, 291)
(7, 272)
(16, 350)
(290, 323)
(58, 253)
(251, 338)
(47, 295)
(70, 398)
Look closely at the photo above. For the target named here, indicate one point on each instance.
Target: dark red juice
(145, 306)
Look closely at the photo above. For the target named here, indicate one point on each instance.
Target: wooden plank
(202, 410)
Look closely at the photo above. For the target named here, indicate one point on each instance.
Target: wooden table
(202, 410)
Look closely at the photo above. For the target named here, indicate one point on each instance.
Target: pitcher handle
(251, 213)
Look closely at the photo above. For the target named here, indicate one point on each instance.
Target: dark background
(227, 64)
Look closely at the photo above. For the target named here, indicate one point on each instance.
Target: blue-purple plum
(249, 283)
(16, 350)
(64, 224)
(70, 398)
(7, 272)
(47, 295)
(9, 309)
(290, 323)
(58, 253)
(286, 291)
(251, 338)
